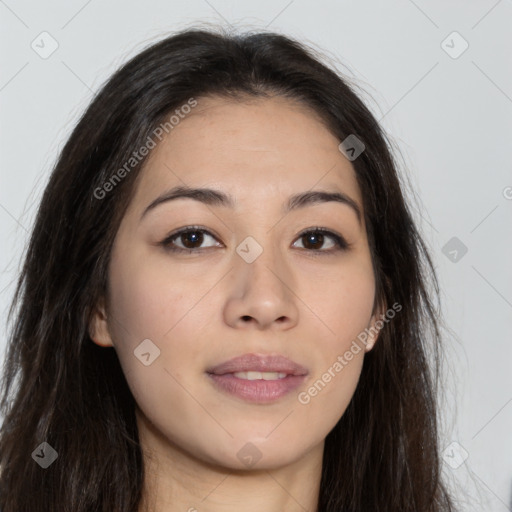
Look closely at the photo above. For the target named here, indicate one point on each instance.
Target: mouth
(253, 375)
(257, 378)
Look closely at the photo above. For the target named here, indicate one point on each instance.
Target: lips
(259, 363)
(256, 378)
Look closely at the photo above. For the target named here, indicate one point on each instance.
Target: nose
(261, 293)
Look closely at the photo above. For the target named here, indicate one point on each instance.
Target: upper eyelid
(187, 229)
(190, 229)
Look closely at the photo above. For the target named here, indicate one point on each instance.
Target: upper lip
(259, 363)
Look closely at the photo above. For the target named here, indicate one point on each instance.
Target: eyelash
(341, 243)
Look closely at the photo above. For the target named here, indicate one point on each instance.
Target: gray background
(449, 113)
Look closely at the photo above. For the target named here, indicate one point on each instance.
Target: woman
(225, 301)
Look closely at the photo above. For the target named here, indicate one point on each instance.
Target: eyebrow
(213, 197)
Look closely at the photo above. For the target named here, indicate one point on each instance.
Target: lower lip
(257, 391)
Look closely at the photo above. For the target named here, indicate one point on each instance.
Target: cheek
(148, 303)
(152, 300)
(344, 307)
(147, 299)
(342, 302)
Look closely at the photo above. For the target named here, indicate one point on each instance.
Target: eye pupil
(196, 236)
(314, 237)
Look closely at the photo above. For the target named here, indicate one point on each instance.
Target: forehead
(260, 150)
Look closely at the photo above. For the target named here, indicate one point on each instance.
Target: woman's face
(255, 278)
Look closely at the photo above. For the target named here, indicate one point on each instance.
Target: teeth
(260, 375)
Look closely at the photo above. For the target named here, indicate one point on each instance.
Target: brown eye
(314, 240)
(191, 239)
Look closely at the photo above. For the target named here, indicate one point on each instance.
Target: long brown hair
(60, 388)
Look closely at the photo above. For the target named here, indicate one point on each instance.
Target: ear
(375, 326)
(98, 326)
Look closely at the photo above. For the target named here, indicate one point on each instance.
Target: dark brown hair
(61, 388)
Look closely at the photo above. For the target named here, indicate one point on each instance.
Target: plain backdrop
(438, 75)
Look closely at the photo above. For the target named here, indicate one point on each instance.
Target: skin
(194, 307)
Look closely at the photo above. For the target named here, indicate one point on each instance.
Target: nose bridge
(261, 262)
